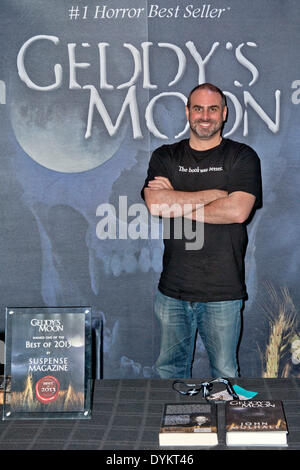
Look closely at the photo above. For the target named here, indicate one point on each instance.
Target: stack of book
(255, 422)
(248, 423)
(189, 424)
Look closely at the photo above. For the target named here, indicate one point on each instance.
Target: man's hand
(160, 182)
(235, 209)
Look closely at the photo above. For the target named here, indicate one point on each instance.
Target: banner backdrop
(87, 90)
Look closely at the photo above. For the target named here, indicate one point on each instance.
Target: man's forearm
(171, 203)
(234, 208)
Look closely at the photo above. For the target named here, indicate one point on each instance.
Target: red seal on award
(46, 389)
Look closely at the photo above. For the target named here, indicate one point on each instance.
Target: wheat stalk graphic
(281, 313)
(25, 400)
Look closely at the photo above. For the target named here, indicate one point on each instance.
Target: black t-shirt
(216, 271)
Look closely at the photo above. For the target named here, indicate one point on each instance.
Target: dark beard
(210, 131)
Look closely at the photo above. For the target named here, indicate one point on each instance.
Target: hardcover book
(189, 424)
(255, 422)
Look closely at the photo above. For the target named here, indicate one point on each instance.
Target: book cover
(188, 424)
(255, 422)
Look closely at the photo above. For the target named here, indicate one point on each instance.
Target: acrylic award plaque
(48, 363)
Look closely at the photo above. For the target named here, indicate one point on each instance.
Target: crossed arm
(219, 206)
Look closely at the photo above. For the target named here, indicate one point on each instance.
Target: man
(217, 182)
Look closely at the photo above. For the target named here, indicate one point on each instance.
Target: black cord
(196, 388)
(205, 387)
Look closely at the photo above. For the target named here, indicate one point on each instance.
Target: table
(126, 415)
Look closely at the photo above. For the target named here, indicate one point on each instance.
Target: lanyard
(205, 387)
